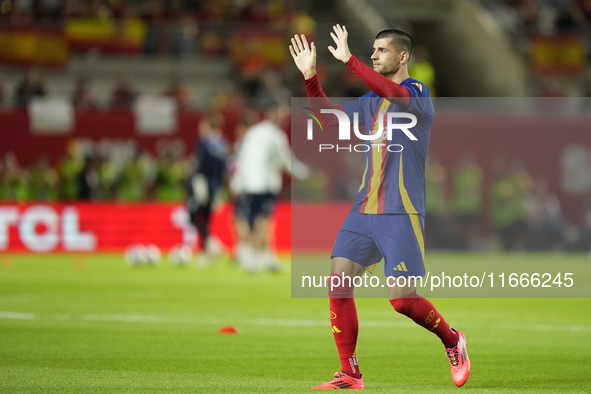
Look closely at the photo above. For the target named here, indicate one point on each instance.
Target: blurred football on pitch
(139, 254)
(180, 254)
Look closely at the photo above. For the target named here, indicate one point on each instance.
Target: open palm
(304, 55)
(340, 36)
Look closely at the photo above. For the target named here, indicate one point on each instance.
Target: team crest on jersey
(418, 85)
(333, 315)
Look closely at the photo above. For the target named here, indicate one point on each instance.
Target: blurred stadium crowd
(548, 17)
(98, 172)
(255, 90)
(518, 206)
(155, 26)
(555, 34)
(252, 34)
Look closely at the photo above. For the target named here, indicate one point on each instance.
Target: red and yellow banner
(558, 54)
(126, 36)
(28, 47)
(258, 49)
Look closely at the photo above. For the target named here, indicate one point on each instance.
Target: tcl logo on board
(42, 228)
(90, 227)
(113, 226)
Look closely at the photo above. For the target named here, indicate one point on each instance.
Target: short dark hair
(401, 40)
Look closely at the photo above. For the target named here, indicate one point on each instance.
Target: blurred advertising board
(111, 227)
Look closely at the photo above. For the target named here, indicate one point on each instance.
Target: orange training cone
(227, 330)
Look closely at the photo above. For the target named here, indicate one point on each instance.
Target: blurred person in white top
(263, 155)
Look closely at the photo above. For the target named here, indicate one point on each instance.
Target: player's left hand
(339, 36)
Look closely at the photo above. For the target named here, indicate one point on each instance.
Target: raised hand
(339, 36)
(304, 55)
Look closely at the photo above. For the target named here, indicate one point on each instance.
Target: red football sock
(345, 326)
(422, 312)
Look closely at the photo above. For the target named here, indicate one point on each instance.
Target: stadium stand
(108, 65)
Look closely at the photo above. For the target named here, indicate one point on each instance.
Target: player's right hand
(304, 55)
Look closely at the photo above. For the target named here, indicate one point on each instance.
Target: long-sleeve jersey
(394, 177)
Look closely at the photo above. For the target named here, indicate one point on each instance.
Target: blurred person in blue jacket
(208, 178)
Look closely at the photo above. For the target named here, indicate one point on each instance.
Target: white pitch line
(16, 315)
(126, 318)
(137, 318)
(541, 327)
(286, 322)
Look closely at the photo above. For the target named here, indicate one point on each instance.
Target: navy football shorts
(252, 205)
(398, 238)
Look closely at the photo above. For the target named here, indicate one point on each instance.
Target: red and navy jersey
(394, 178)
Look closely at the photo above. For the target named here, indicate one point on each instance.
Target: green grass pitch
(92, 324)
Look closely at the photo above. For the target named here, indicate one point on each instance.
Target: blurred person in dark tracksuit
(208, 178)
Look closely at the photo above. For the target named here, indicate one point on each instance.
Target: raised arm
(304, 56)
(376, 82)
